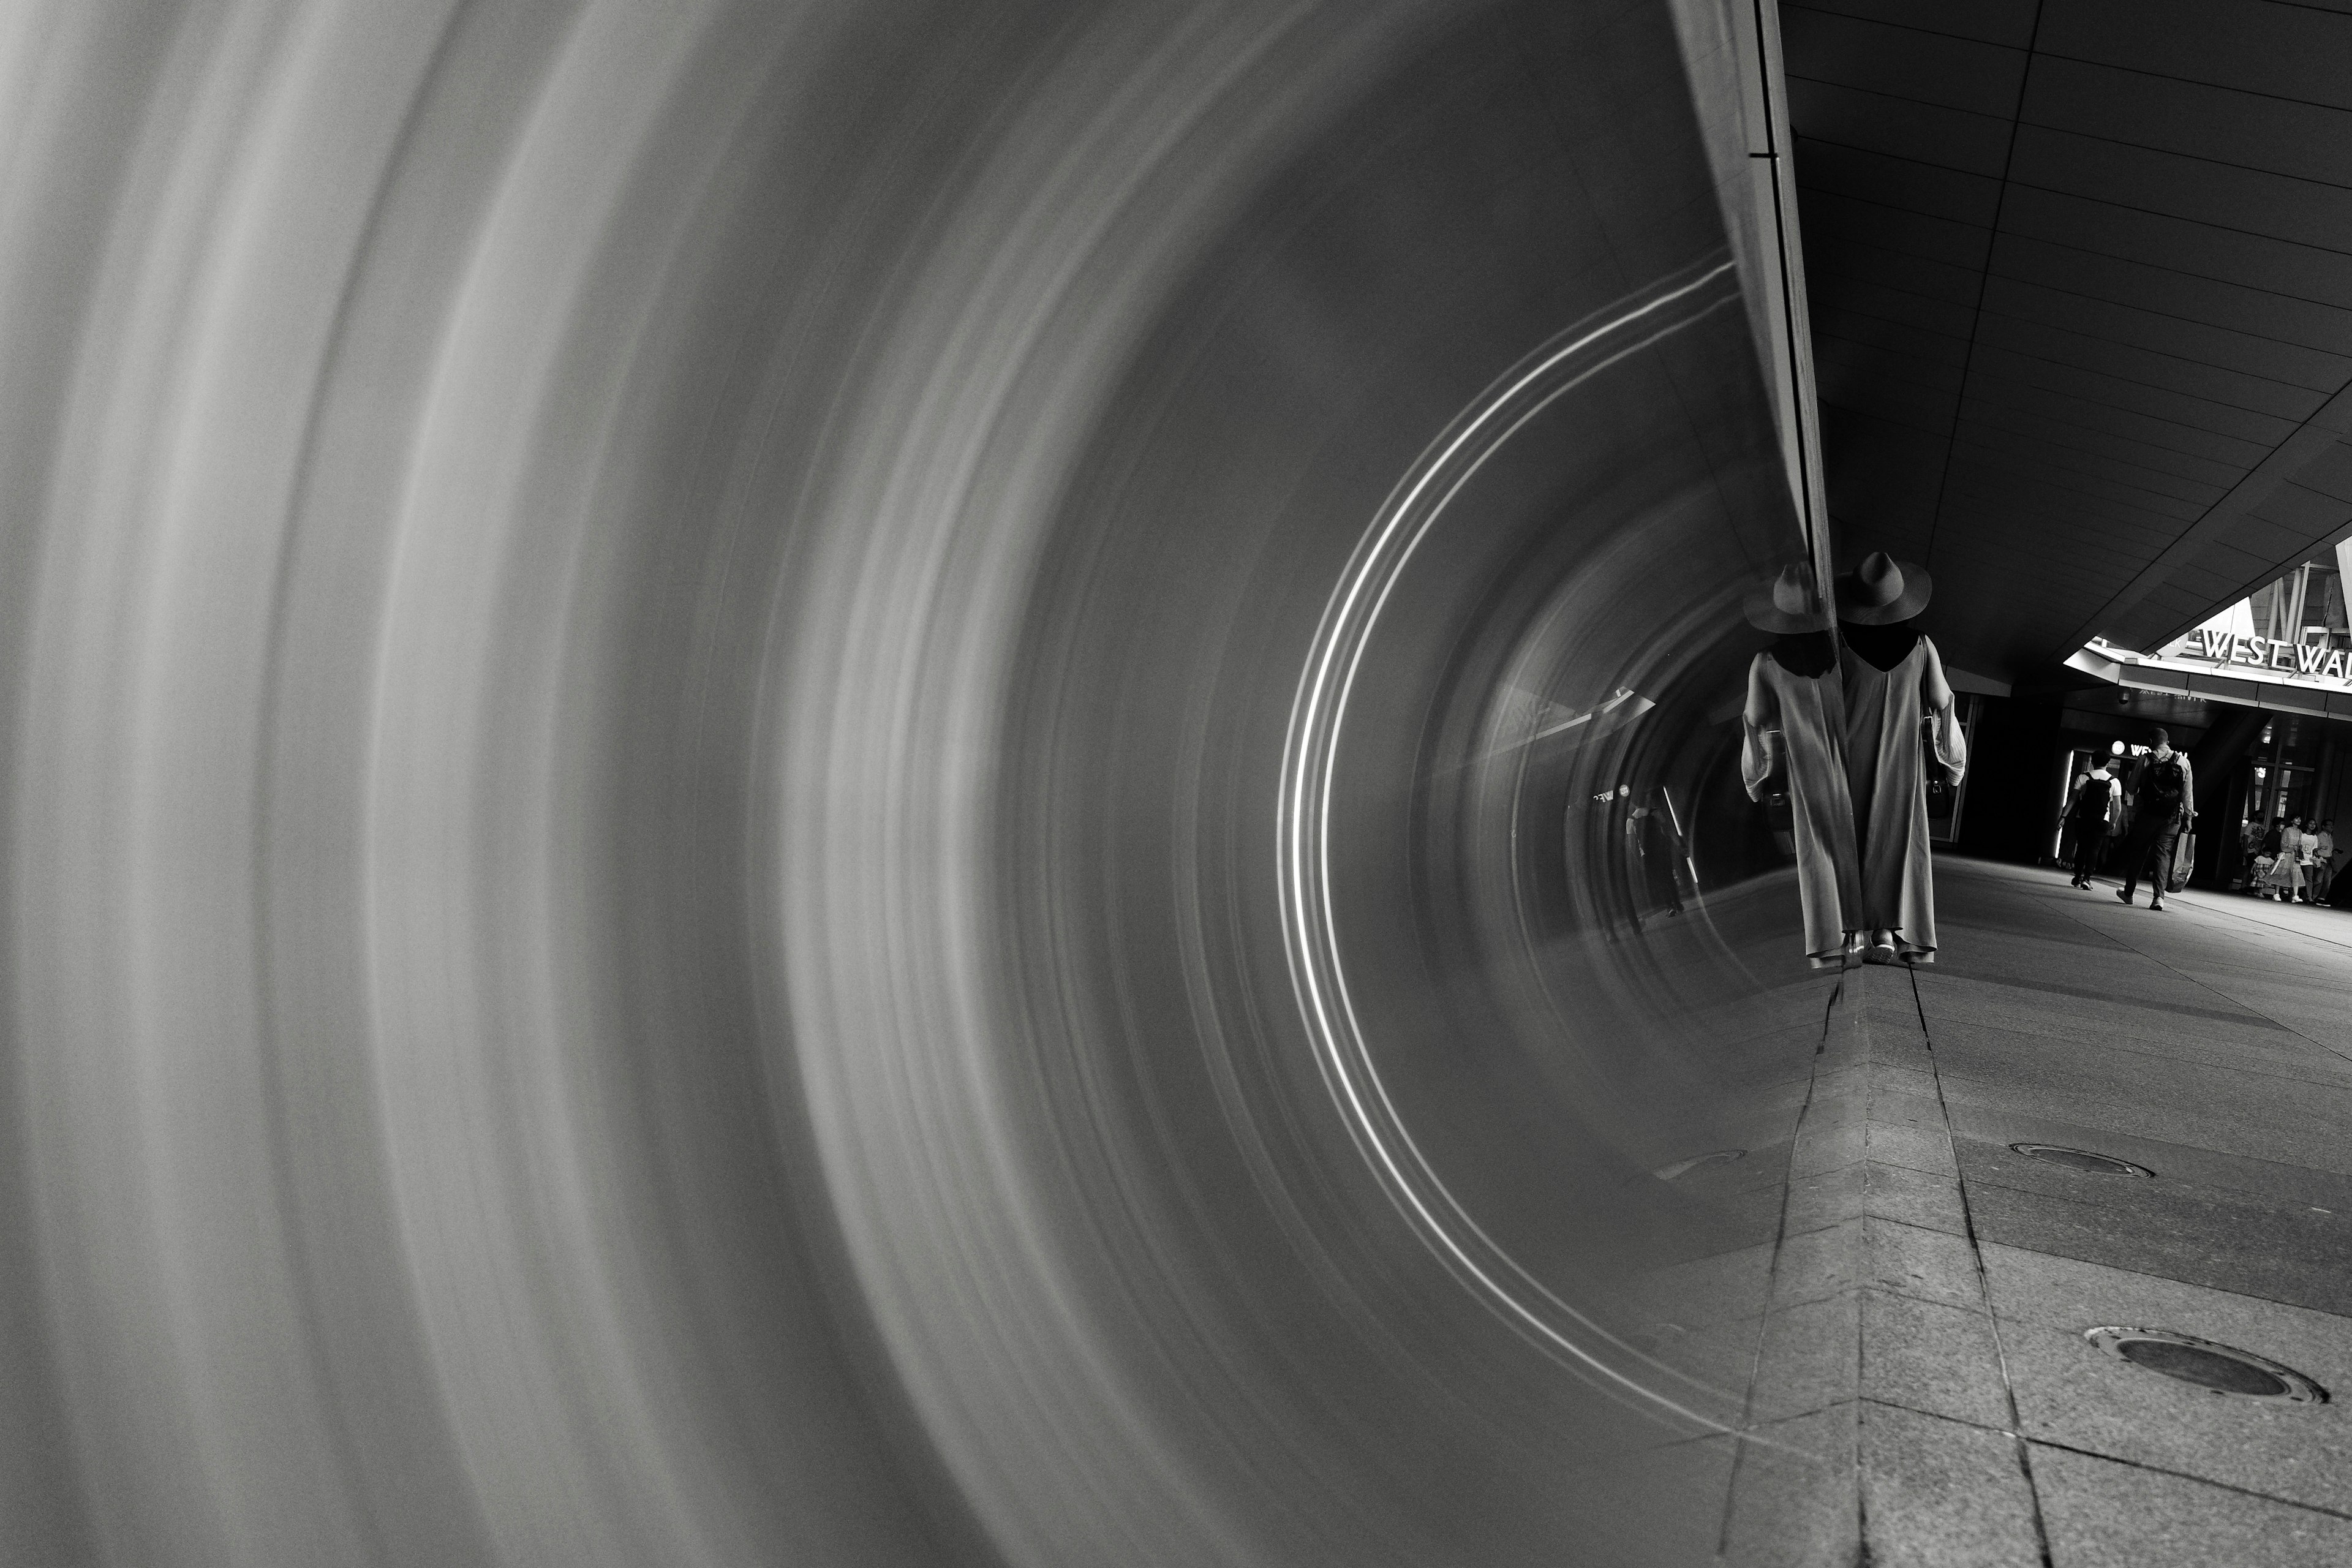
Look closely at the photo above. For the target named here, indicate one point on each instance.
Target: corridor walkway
(1923, 1381)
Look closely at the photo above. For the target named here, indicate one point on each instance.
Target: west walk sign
(2315, 662)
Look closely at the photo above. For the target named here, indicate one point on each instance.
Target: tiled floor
(1923, 1391)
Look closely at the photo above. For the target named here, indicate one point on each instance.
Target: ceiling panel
(1879, 121)
(2272, 359)
(2149, 367)
(2071, 413)
(2307, 141)
(2330, 473)
(1878, 332)
(1920, 64)
(2180, 296)
(2083, 300)
(1905, 184)
(1937, 243)
(2010, 368)
(2006, 22)
(2254, 261)
(2300, 511)
(2279, 51)
(2110, 454)
(2081, 274)
(2081, 458)
(2251, 200)
(1937, 294)
(2133, 486)
(1973, 485)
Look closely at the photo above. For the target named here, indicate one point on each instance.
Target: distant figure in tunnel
(1652, 849)
(2096, 805)
(2163, 804)
(1893, 681)
(1792, 743)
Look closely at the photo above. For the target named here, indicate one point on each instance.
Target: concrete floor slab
(2247, 1137)
(1796, 1494)
(1809, 1358)
(2291, 1253)
(1827, 1198)
(1927, 1265)
(2208, 1169)
(1936, 1494)
(2070, 1393)
(1912, 1148)
(2101, 1514)
(1936, 1359)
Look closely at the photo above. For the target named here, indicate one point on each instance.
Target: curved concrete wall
(824, 783)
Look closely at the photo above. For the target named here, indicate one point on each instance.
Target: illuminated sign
(2309, 661)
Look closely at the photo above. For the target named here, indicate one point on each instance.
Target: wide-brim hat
(1883, 591)
(1787, 604)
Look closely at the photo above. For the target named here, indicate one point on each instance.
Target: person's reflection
(1792, 744)
(1653, 847)
(1894, 684)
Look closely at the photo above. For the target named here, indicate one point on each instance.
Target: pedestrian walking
(2066, 842)
(2323, 861)
(2096, 805)
(1792, 744)
(1895, 685)
(2163, 805)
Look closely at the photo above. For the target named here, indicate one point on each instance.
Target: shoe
(1854, 945)
(2123, 893)
(1882, 948)
(2156, 907)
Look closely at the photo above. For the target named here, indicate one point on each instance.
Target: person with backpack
(2163, 805)
(2088, 820)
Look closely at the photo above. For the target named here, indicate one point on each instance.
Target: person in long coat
(1893, 683)
(1792, 743)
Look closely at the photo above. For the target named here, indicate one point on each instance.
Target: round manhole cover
(2223, 1369)
(2082, 1160)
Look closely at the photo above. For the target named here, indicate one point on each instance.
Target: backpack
(2161, 786)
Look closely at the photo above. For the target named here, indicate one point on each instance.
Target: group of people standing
(1834, 718)
(2300, 861)
(2152, 798)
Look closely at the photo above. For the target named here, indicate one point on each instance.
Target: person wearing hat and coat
(1893, 681)
(1793, 736)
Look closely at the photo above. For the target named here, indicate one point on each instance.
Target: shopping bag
(2184, 860)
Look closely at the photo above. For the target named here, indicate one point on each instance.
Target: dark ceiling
(2081, 282)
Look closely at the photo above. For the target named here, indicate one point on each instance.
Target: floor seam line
(1772, 1274)
(2184, 1476)
(2023, 1449)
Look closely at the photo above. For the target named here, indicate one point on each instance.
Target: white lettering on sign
(2316, 662)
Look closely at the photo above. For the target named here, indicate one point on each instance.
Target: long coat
(1793, 734)
(1887, 781)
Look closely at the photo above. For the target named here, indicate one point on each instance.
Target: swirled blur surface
(874, 784)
